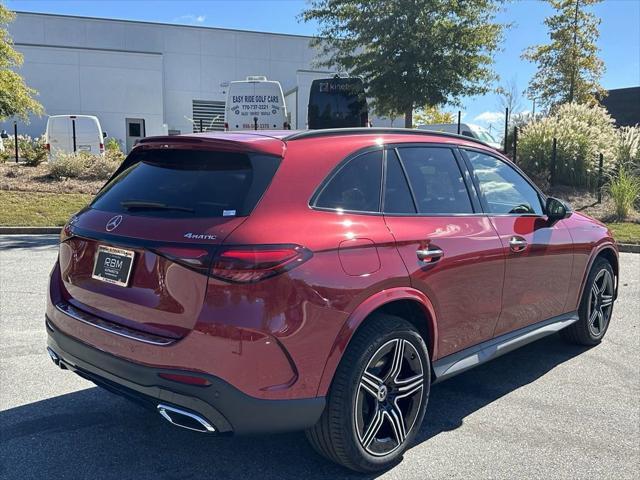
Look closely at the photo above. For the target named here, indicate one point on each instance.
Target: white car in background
(466, 129)
(74, 133)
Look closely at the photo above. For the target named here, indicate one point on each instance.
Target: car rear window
(188, 183)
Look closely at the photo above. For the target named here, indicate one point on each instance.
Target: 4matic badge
(199, 236)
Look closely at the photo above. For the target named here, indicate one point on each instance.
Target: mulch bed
(22, 178)
(587, 202)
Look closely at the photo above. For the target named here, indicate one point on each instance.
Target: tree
(432, 115)
(569, 69)
(16, 98)
(409, 53)
(509, 97)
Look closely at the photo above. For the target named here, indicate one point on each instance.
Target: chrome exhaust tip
(54, 357)
(184, 419)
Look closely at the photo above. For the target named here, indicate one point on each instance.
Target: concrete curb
(623, 247)
(629, 247)
(29, 230)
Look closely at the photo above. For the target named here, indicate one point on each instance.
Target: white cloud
(190, 19)
(490, 117)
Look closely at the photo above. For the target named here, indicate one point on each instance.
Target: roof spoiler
(256, 144)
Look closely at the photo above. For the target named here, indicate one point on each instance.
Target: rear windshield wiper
(142, 205)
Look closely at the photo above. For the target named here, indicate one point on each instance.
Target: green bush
(69, 165)
(31, 151)
(624, 189)
(582, 133)
(113, 144)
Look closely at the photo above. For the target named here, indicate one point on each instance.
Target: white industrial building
(150, 77)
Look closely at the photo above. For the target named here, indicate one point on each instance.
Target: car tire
(596, 306)
(376, 403)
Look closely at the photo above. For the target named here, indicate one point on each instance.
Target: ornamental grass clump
(628, 148)
(582, 133)
(624, 189)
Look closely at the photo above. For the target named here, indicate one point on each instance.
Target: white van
(74, 133)
(466, 129)
(255, 104)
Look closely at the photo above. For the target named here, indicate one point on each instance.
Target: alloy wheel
(600, 303)
(389, 397)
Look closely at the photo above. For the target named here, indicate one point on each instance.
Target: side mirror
(557, 210)
(104, 134)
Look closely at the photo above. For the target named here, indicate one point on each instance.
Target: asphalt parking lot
(548, 410)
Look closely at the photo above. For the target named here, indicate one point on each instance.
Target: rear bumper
(228, 409)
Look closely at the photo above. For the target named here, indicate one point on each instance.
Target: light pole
(15, 138)
(533, 112)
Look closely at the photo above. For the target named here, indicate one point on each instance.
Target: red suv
(319, 280)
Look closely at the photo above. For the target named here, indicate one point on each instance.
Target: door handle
(430, 255)
(517, 244)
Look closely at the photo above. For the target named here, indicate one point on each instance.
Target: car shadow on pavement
(94, 434)
(453, 400)
(32, 242)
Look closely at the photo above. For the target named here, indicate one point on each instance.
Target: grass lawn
(39, 209)
(625, 232)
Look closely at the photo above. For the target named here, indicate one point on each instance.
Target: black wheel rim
(389, 397)
(600, 303)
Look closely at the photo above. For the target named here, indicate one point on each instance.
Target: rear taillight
(226, 127)
(197, 259)
(102, 148)
(254, 263)
(48, 147)
(239, 264)
(66, 233)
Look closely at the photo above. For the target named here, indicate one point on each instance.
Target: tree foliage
(569, 69)
(16, 98)
(410, 52)
(431, 116)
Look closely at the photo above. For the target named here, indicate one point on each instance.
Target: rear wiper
(141, 205)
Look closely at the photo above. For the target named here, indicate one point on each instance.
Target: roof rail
(376, 131)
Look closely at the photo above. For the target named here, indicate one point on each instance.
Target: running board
(468, 358)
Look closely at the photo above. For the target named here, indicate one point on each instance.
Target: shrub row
(582, 133)
(85, 166)
(32, 151)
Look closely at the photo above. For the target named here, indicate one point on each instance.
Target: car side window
(505, 191)
(397, 196)
(436, 180)
(356, 186)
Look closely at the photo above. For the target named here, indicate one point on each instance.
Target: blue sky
(619, 32)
